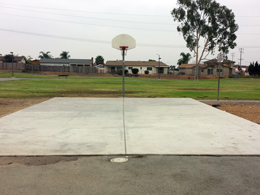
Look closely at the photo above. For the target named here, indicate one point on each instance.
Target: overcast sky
(86, 28)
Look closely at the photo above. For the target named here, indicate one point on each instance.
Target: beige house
(152, 66)
(209, 68)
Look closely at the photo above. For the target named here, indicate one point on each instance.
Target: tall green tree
(185, 58)
(99, 60)
(251, 69)
(64, 55)
(205, 25)
(257, 68)
(254, 68)
(45, 55)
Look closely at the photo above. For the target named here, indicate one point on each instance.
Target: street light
(159, 67)
(12, 64)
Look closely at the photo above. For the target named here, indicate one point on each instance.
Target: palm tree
(185, 58)
(64, 55)
(29, 58)
(46, 55)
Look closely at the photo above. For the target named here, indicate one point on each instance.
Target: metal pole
(12, 64)
(159, 57)
(123, 72)
(218, 79)
(159, 68)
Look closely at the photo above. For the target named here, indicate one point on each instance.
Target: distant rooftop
(16, 58)
(66, 61)
(136, 63)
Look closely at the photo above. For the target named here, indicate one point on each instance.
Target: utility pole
(159, 57)
(233, 55)
(241, 50)
(12, 63)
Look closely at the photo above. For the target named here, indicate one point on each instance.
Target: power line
(125, 21)
(89, 17)
(89, 23)
(87, 40)
(99, 41)
(106, 25)
(139, 15)
(142, 15)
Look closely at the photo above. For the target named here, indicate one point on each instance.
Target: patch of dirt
(196, 89)
(10, 105)
(93, 92)
(35, 160)
(250, 112)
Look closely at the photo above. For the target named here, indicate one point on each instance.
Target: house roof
(215, 60)
(183, 66)
(16, 58)
(66, 61)
(136, 63)
(186, 66)
(189, 66)
(242, 66)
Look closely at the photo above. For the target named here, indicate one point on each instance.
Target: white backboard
(123, 40)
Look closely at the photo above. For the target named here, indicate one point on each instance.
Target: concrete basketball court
(112, 126)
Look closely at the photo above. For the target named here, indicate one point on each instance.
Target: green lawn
(51, 86)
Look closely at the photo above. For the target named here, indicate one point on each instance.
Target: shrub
(120, 72)
(135, 70)
(146, 72)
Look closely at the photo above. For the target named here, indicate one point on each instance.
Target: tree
(8, 58)
(64, 55)
(99, 60)
(44, 55)
(254, 69)
(257, 68)
(150, 60)
(29, 58)
(251, 69)
(185, 58)
(208, 23)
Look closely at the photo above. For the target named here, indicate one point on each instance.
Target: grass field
(74, 86)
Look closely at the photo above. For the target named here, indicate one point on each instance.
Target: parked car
(181, 73)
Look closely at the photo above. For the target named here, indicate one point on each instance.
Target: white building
(152, 66)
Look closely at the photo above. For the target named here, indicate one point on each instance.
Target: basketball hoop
(123, 42)
(124, 47)
(124, 50)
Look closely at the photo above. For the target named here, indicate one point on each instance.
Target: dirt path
(10, 105)
(249, 112)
